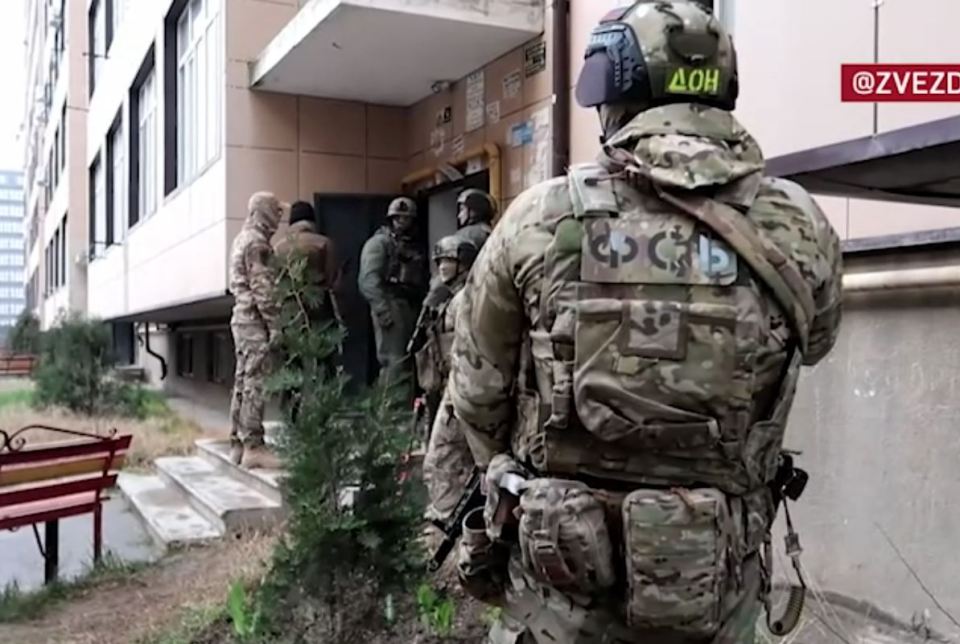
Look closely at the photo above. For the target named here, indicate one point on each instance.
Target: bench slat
(40, 512)
(54, 451)
(29, 495)
(63, 468)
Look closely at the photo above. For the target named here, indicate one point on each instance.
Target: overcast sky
(12, 64)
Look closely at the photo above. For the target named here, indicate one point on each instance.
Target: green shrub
(25, 334)
(339, 561)
(73, 371)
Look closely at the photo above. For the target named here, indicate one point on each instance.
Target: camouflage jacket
(253, 278)
(437, 317)
(681, 147)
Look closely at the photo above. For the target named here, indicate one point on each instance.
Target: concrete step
(271, 431)
(217, 453)
(229, 504)
(165, 513)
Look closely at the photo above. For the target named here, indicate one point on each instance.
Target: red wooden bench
(17, 364)
(47, 482)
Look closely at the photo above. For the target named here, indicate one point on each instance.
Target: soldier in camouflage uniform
(476, 210)
(255, 326)
(628, 345)
(448, 462)
(392, 278)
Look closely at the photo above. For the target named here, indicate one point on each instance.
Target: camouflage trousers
(252, 353)
(396, 367)
(536, 614)
(447, 464)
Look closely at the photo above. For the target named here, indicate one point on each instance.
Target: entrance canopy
(918, 164)
(392, 52)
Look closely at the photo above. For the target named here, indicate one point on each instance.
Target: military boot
(260, 457)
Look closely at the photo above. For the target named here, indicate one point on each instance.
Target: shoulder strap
(778, 271)
(590, 192)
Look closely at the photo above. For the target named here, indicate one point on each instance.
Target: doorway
(349, 220)
(440, 205)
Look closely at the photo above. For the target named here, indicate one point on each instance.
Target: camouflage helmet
(481, 205)
(452, 247)
(402, 206)
(657, 52)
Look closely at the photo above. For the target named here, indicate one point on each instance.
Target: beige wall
(296, 146)
(506, 104)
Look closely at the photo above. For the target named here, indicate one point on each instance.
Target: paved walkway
(123, 536)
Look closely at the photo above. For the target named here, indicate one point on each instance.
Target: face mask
(402, 223)
(447, 268)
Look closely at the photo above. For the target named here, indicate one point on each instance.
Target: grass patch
(16, 398)
(158, 432)
(195, 623)
(17, 605)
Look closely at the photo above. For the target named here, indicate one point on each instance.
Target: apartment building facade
(12, 296)
(186, 107)
(55, 147)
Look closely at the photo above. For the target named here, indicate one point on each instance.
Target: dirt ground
(149, 602)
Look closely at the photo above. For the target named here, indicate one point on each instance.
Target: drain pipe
(160, 358)
(560, 129)
(939, 276)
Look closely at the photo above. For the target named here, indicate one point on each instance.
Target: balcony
(390, 52)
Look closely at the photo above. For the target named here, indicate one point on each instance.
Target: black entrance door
(349, 220)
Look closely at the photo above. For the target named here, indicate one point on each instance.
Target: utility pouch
(481, 563)
(676, 551)
(564, 540)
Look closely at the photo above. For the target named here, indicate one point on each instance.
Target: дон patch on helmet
(694, 81)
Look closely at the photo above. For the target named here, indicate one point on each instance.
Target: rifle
(472, 498)
(419, 337)
(439, 293)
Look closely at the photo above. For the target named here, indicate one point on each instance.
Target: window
(198, 90)
(124, 348)
(63, 137)
(56, 258)
(146, 145)
(185, 355)
(97, 42)
(116, 185)
(219, 357)
(63, 250)
(98, 206)
(116, 10)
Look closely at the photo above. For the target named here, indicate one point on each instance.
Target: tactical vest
(433, 359)
(655, 359)
(405, 266)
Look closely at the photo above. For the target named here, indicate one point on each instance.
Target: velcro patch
(695, 81)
